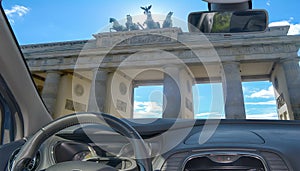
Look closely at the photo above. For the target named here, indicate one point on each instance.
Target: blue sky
(258, 97)
(41, 21)
(56, 20)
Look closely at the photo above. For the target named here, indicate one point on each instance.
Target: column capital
(292, 59)
(229, 64)
(179, 67)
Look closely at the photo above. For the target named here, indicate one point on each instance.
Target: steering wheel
(31, 147)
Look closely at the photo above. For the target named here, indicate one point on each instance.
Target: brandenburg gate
(100, 74)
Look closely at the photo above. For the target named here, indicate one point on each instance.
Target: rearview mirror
(228, 22)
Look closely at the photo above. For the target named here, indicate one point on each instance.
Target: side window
(7, 123)
(11, 120)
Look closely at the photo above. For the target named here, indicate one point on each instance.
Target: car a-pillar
(286, 82)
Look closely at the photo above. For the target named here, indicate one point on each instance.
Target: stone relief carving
(146, 39)
(74, 106)
(123, 88)
(78, 90)
(189, 104)
(121, 106)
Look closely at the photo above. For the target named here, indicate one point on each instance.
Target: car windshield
(151, 59)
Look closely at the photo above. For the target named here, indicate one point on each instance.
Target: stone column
(50, 90)
(98, 91)
(233, 92)
(171, 90)
(292, 75)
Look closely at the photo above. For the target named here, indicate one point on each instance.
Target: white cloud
(216, 115)
(294, 28)
(269, 116)
(266, 94)
(210, 115)
(17, 10)
(147, 110)
(271, 102)
(269, 3)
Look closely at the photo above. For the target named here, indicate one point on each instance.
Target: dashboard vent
(225, 161)
(174, 162)
(32, 165)
(274, 161)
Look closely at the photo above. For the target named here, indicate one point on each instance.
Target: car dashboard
(185, 145)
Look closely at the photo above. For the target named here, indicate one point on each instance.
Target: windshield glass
(142, 59)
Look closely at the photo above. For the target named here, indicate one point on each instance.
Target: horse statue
(168, 21)
(116, 25)
(151, 24)
(130, 25)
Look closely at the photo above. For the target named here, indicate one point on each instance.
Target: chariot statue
(130, 25)
(116, 25)
(168, 23)
(150, 23)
